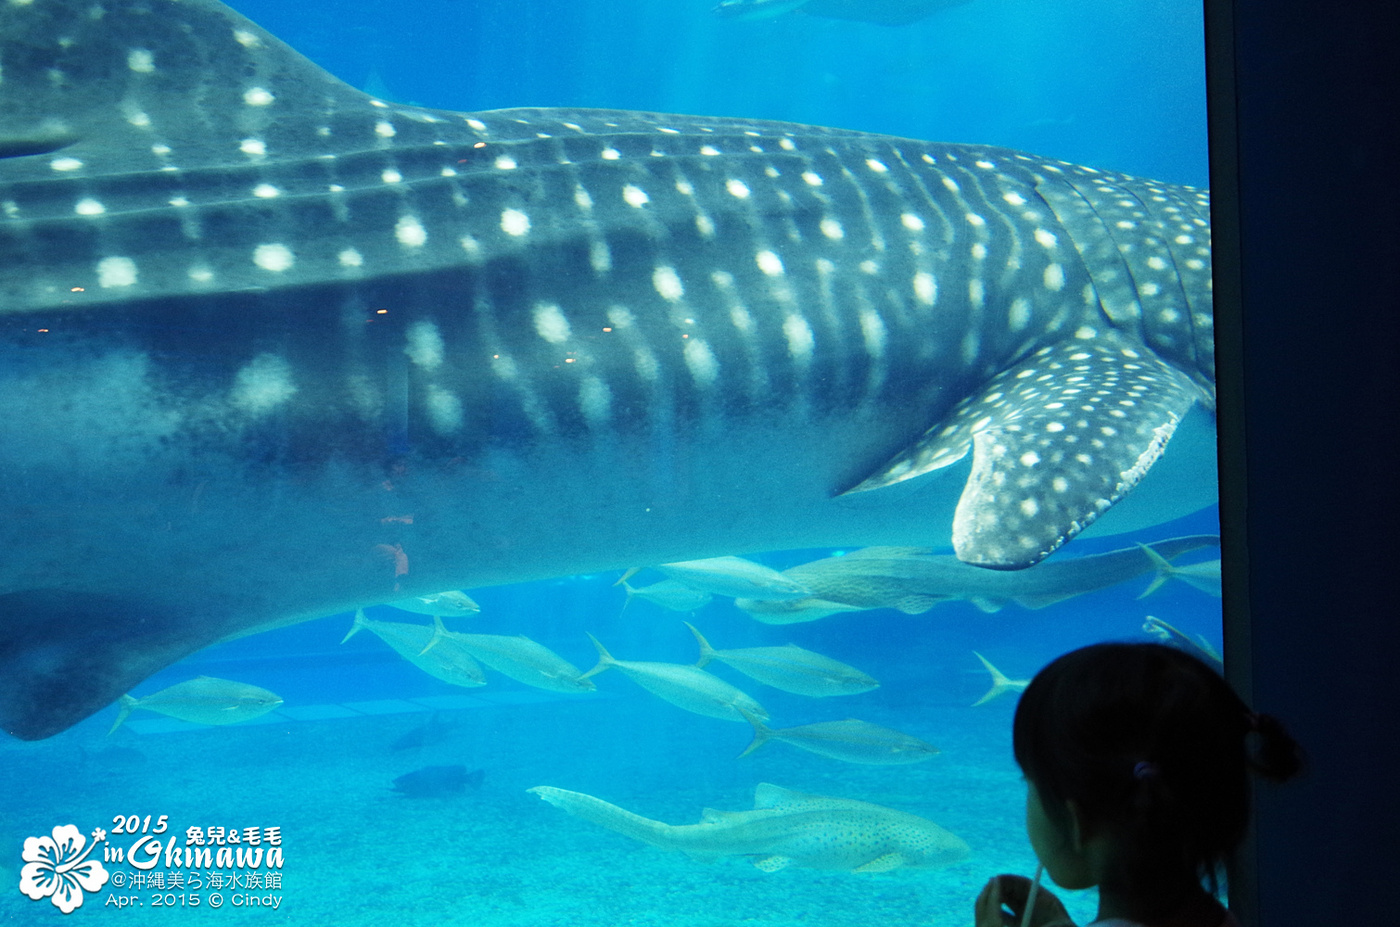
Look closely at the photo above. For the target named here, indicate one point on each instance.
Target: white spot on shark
(599, 256)
(667, 283)
(258, 96)
(1018, 316)
(274, 257)
(116, 272)
(141, 61)
(872, 330)
(89, 207)
(799, 338)
(424, 347)
(595, 401)
(701, 362)
(769, 263)
(444, 410)
(65, 164)
(551, 324)
(925, 288)
(410, 232)
(514, 222)
(263, 385)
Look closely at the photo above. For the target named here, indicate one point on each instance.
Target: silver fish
(1205, 575)
(683, 685)
(452, 602)
(669, 594)
(450, 663)
(1194, 644)
(735, 576)
(518, 657)
(203, 700)
(1001, 683)
(850, 741)
(790, 668)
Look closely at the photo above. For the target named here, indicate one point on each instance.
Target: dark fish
(437, 781)
(434, 731)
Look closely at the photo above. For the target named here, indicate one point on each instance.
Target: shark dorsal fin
(768, 795)
(182, 83)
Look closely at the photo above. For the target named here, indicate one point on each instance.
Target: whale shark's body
(271, 348)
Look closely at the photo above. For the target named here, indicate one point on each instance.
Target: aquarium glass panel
(527, 463)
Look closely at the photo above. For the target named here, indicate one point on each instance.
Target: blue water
(1113, 84)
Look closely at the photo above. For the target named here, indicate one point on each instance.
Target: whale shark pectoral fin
(882, 863)
(1078, 426)
(68, 654)
(1056, 440)
(773, 863)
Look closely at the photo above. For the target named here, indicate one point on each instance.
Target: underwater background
(1114, 84)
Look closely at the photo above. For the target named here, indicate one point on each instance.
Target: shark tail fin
(124, 706)
(707, 653)
(1000, 682)
(607, 815)
(359, 624)
(1164, 570)
(761, 733)
(605, 661)
(439, 632)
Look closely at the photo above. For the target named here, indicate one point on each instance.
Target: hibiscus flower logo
(57, 867)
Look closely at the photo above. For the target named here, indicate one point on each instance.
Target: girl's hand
(1011, 891)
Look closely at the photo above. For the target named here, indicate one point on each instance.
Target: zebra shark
(272, 348)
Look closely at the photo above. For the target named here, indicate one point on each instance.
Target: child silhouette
(1137, 759)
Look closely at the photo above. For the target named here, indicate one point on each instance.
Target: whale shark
(272, 348)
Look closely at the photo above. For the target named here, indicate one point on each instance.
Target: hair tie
(1145, 770)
